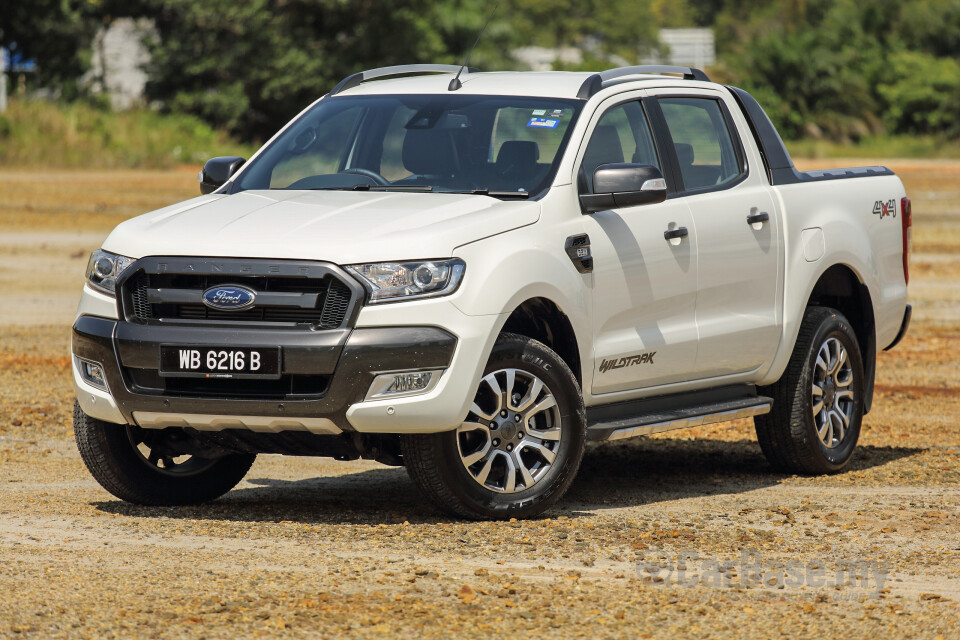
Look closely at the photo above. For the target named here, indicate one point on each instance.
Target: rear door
(738, 232)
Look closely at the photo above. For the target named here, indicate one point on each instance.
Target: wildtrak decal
(884, 209)
(629, 361)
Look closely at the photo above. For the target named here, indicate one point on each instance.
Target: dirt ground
(683, 535)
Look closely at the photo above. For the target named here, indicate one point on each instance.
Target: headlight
(104, 268)
(396, 281)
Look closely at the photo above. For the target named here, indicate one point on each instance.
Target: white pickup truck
(474, 276)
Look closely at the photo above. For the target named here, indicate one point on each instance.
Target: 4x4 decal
(884, 209)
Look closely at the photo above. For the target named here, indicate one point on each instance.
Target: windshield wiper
(493, 193)
(423, 188)
(393, 187)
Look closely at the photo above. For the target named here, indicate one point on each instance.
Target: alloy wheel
(512, 434)
(833, 399)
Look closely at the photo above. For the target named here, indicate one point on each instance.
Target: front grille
(336, 304)
(138, 294)
(158, 297)
(259, 314)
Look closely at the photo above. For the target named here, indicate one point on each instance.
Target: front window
(500, 145)
(621, 135)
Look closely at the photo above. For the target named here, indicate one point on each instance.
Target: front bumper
(339, 366)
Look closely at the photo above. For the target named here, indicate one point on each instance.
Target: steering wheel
(367, 173)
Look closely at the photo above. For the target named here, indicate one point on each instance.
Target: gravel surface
(682, 535)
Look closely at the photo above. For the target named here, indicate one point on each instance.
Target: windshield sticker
(543, 123)
(539, 112)
(557, 113)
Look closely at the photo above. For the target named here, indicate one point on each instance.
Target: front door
(644, 285)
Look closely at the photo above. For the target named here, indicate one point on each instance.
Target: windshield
(501, 145)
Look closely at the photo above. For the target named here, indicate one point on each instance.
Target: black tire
(111, 455)
(789, 435)
(435, 461)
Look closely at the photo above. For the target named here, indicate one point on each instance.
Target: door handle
(757, 218)
(673, 234)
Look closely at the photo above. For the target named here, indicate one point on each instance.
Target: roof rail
(398, 70)
(604, 79)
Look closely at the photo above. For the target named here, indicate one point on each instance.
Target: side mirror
(217, 171)
(624, 185)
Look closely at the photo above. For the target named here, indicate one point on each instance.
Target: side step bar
(641, 418)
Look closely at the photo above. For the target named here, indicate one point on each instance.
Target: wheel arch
(840, 287)
(542, 319)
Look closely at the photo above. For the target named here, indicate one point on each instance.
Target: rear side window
(702, 139)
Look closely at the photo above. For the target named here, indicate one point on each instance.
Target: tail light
(906, 220)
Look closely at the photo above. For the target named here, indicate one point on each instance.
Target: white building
(687, 48)
(119, 55)
(683, 47)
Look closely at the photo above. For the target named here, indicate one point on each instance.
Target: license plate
(191, 361)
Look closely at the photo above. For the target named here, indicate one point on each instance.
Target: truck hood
(342, 227)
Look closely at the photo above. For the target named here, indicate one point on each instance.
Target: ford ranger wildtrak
(472, 277)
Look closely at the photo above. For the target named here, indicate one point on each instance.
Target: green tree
(601, 28)
(932, 26)
(251, 66)
(811, 62)
(703, 13)
(56, 34)
(921, 93)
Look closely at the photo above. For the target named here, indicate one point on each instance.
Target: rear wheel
(818, 403)
(145, 466)
(520, 447)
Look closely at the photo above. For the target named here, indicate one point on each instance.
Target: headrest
(518, 153)
(684, 153)
(428, 152)
(604, 148)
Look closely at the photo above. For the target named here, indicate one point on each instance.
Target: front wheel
(144, 466)
(520, 446)
(818, 402)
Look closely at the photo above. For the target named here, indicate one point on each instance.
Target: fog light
(92, 373)
(403, 383)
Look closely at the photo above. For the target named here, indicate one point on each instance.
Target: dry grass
(87, 200)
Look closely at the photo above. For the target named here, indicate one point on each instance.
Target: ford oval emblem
(229, 297)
